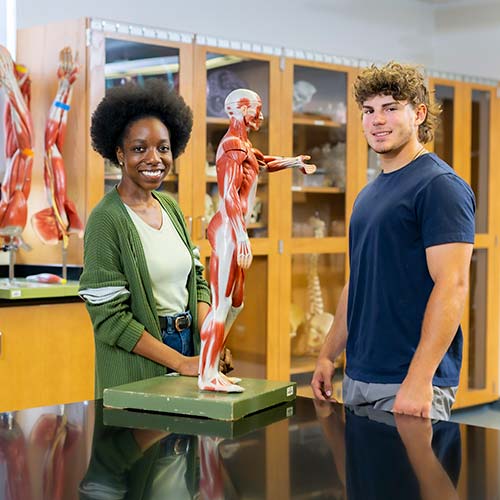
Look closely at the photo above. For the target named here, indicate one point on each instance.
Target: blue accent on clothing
(395, 218)
(181, 341)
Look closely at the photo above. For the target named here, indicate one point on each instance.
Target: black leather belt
(179, 321)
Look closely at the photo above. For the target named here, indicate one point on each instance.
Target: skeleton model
(60, 219)
(238, 165)
(16, 184)
(318, 322)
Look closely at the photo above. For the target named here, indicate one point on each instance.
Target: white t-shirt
(169, 263)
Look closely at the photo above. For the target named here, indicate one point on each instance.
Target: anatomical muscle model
(56, 222)
(238, 165)
(16, 184)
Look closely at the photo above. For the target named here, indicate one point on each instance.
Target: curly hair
(402, 82)
(128, 103)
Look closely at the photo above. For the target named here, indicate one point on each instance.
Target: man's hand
(414, 398)
(321, 382)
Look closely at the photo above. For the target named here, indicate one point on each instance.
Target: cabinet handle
(203, 227)
(189, 223)
(0, 343)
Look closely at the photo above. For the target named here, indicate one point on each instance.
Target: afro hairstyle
(128, 103)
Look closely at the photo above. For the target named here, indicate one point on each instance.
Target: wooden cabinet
(46, 355)
(467, 141)
(319, 119)
(299, 234)
(108, 54)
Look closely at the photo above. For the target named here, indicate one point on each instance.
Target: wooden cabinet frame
(462, 133)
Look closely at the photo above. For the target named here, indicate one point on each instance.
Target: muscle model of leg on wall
(238, 165)
(56, 222)
(16, 184)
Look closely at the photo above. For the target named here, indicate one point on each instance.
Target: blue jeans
(181, 341)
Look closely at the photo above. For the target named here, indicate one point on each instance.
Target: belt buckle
(182, 322)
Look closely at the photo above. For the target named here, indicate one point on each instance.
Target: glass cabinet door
(226, 73)
(480, 155)
(133, 61)
(480, 370)
(322, 122)
(316, 285)
(443, 137)
(319, 130)
(479, 376)
(477, 354)
(218, 72)
(248, 338)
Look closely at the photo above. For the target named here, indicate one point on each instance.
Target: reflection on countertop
(303, 449)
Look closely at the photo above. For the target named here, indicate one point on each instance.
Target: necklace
(420, 152)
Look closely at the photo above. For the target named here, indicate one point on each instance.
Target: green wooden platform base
(180, 395)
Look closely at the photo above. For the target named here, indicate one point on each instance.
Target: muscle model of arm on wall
(238, 165)
(16, 184)
(60, 219)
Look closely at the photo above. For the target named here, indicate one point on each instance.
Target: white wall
(459, 36)
(375, 30)
(467, 39)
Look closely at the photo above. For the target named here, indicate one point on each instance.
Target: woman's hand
(189, 366)
(226, 361)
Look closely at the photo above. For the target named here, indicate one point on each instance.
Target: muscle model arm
(60, 218)
(19, 138)
(277, 163)
(230, 180)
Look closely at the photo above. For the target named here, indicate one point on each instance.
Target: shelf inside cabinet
(112, 177)
(118, 176)
(317, 189)
(315, 121)
(215, 120)
(256, 225)
(302, 364)
(213, 179)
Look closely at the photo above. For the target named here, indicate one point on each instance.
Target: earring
(120, 163)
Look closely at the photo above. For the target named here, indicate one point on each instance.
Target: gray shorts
(382, 396)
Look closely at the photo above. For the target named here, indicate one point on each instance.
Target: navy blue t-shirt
(395, 218)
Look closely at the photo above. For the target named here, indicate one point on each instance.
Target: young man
(410, 243)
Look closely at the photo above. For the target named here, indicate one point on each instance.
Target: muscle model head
(245, 105)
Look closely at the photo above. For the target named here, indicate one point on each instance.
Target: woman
(142, 281)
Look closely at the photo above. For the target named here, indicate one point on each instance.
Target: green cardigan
(114, 256)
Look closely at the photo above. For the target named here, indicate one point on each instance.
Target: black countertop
(301, 450)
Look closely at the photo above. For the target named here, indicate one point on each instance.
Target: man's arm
(335, 343)
(449, 268)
